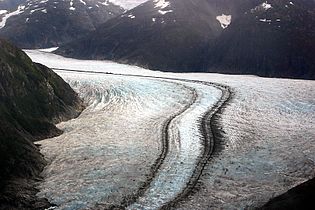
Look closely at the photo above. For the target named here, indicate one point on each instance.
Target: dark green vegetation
(299, 197)
(32, 99)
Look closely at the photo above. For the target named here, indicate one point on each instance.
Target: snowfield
(106, 154)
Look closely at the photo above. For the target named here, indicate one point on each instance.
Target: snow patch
(127, 4)
(105, 3)
(38, 9)
(225, 20)
(165, 12)
(265, 20)
(71, 6)
(3, 12)
(162, 4)
(83, 2)
(7, 16)
(266, 6)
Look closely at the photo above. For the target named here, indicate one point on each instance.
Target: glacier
(268, 129)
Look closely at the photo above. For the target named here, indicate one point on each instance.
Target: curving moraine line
(159, 161)
(211, 145)
(211, 133)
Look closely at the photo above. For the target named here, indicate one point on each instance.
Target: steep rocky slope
(32, 99)
(41, 24)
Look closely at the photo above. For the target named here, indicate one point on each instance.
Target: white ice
(185, 148)
(106, 153)
(269, 134)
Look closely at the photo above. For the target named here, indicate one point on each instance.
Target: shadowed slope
(32, 99)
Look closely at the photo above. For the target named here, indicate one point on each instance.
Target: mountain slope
(32, 99)
(159, 34)
(272, 38)
(10, 4)
(42, 24)
(299, 197)
(275, 39)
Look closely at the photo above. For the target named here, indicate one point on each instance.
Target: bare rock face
(32, 99)
(43, 24)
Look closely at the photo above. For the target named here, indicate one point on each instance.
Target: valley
(257, 154)
(157, 104)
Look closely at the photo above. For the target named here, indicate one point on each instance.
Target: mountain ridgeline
(165, 35)
(273, 38)
(43, 24)
(32, 99)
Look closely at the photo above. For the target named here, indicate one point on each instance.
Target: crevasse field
(108, 154)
